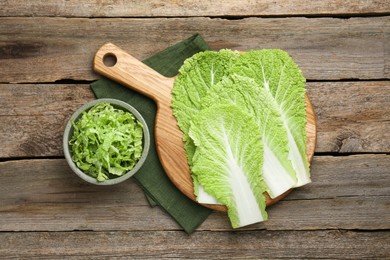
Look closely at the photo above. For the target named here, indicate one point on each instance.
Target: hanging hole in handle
(109, 59)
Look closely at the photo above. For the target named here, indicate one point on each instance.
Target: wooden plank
(170, 8)
(39, 113)
(50, 49)
(346, 176)
(348, 192)
(221, 245)
(352, 117)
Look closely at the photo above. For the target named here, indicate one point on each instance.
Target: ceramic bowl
(68, 133)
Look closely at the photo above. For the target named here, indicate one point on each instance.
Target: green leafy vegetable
(107, 142)
(275, 72)
(278, 172)
(197, 75)
(243, 117)
(227, 162)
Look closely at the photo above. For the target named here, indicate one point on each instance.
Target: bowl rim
(119, 104)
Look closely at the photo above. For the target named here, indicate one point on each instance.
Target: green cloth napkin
(152, 178)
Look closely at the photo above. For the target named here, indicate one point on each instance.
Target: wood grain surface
(352, 117)
(43, 49)
(46, 53)
(347, 192)
(333, 244)
(171, 8)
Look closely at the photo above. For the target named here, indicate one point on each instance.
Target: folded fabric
(151, 177)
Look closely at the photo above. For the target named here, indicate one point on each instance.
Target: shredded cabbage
(107, 142)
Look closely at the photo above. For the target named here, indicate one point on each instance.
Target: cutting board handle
(132, 73)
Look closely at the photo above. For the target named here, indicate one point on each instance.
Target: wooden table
(46, 49)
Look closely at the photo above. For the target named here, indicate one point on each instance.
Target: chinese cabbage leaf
(196, 76)
(227, 162)
(275, 71)
(278, 172)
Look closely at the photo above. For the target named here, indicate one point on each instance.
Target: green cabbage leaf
(243, 118)
(278, 172)
(227, 162)
(274, 71)
(196, 76)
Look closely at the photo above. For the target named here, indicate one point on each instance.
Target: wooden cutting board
(132, 73)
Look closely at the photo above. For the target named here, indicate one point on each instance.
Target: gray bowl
(69, 133)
